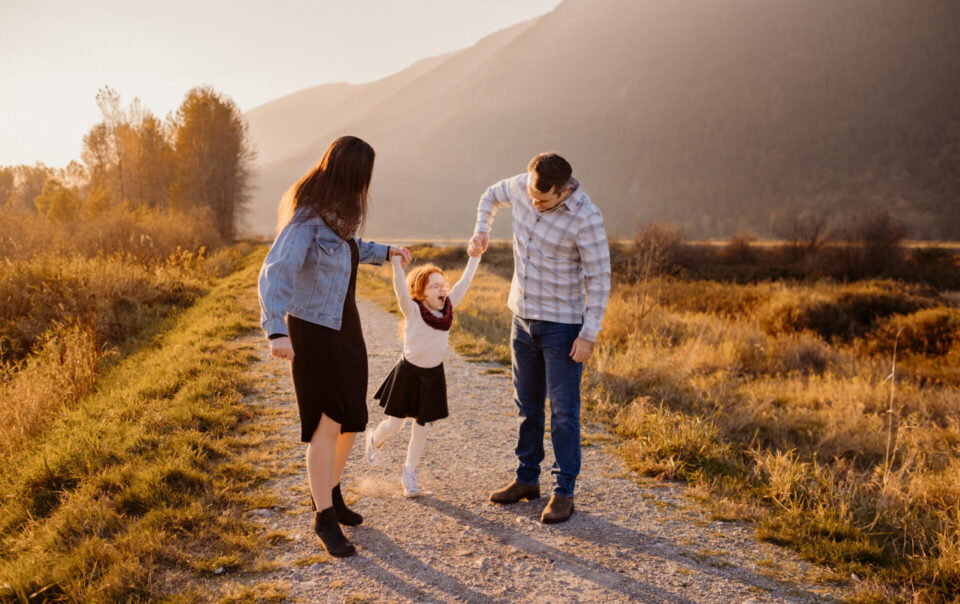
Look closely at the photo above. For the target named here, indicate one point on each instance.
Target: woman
(309, 279)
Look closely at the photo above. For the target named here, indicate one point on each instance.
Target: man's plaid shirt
(557, 255)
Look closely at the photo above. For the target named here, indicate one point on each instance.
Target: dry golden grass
(65, 369)
(772, 400)
(148, 472)
(780, 392)
(148, 237)
(72, 296)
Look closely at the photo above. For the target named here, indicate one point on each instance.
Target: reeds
(772, 397)
(784, 393)
(71, 295)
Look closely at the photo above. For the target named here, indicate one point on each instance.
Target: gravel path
(627, 541)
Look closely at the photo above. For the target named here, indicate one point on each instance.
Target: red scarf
(442, 323)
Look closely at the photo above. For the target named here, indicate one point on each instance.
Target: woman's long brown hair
(338, 182)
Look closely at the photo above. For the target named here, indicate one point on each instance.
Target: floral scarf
(344, 226)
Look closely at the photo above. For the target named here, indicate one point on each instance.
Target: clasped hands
(581, 351)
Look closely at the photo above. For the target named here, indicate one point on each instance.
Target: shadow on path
(396, 568)
(596, 573)
(625, 542)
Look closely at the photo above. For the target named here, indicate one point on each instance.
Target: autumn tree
(57, 202)
(114, 127)
(97, 203)
(97, 155)
(28, 183)
(154, 162)
(128, 154)
(213, 155)
(6, 185)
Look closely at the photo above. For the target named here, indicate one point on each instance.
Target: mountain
(718, 115)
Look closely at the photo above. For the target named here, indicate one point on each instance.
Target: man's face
(545, 201)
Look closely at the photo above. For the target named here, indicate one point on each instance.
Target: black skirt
(330, 367)
(411, 391)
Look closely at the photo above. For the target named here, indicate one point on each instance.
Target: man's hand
(403, 252)
(581, 351)
(281, 348)
(478, 244)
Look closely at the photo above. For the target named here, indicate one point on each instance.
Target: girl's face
(435, 292)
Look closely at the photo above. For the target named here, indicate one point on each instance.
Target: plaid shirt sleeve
(595, 260)
(499, 195)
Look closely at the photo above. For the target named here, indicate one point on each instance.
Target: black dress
(330, 366)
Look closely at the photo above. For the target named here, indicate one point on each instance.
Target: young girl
(416, 386)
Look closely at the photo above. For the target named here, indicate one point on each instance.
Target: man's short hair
(551, 170)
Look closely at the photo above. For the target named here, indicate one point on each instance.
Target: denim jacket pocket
(329, 247)
(327, 280)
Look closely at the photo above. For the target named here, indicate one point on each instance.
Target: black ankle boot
(344, 514)
(331, 537)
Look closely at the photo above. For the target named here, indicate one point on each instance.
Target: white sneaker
(371, 451)
(408, 478)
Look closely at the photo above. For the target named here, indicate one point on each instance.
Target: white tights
(418, 437)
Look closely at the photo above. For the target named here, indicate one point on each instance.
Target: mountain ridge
(717, 116)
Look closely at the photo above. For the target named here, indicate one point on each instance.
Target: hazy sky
(55, 55)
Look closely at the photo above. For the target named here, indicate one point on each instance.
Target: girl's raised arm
(407, 305)
(458, 291)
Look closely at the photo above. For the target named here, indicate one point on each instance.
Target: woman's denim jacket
(307, 274)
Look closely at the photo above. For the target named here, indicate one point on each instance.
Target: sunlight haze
(56, 55)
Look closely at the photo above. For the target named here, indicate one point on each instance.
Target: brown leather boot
(559, 509)
(516, 491)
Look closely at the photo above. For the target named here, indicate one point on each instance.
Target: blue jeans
(542, 368)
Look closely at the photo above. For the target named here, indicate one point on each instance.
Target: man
(560, 253)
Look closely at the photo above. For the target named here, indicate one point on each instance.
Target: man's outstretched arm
(499, 195)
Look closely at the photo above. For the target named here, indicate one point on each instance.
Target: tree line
(198, 159)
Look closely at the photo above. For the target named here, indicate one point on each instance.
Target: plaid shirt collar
(570, 203)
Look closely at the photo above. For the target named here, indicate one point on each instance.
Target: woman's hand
(403, 252)
(281, 348)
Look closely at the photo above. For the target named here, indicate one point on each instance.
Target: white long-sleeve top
(423, 345)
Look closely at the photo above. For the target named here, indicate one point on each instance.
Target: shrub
(148, 237)
(873, 245)
(930, 332)
(842, 316)
(725, 299)
(656, 249)
(740, 248)
(115, 296)
(64, 369)
(792, 354)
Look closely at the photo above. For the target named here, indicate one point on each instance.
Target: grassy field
(74, 297)
(776, 399)
(779, 402)
(146, 476)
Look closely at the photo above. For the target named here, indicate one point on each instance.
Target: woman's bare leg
(321, 458)
(344, 444)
